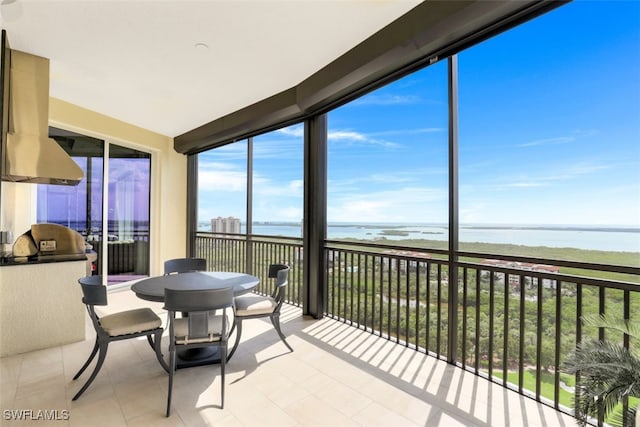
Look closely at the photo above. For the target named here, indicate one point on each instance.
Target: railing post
(452, 347)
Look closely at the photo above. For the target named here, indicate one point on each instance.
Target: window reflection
(81, 207)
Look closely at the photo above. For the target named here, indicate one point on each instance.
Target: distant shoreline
(556, 228)
(602, 238)
(607, 229)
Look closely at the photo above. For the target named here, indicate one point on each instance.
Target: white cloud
(391, 178)
(296, 184)
(219, 176)
(407, 131)
(543, 178)
(549, 141)
(358, 138)
(571, 209)
(586, 169)
(266, 186)
(473, 212)
(408, 204)
(222, 181)
(204, 164)
(290, 213)
(526, 184)
(230, 152)
(569, 173)
(341, 135)
(298, 132)
(387, 99)
(295, 131)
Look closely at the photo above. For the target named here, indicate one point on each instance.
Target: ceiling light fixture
(10, 10)
(201, 46)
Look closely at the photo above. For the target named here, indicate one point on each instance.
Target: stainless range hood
(30, 155)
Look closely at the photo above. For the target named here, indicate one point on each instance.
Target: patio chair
(184, 265)
(256, 306)
(200, 328)
(116, 327)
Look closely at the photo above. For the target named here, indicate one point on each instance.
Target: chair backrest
(198, 304)
(184, 265)
(95, 293)
(280, 272)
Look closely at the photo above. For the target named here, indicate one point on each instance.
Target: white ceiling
(138, 61)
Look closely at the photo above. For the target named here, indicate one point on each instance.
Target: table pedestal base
(197, 357)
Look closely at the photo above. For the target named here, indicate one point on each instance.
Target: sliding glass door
(113, 218)
(129, 174)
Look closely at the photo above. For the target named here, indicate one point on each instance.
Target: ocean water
(595, 238)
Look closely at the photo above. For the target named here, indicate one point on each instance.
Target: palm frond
(624, 419)
(613, 322)
(608, 373)
(601, 357)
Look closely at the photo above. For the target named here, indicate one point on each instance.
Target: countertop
(40, 259)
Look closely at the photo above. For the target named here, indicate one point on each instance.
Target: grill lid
(67, 241)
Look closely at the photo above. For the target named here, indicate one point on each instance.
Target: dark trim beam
(278, 108)
(429, 32)
(315, 218)
(249, 219)
(452, 303)
(192, 204)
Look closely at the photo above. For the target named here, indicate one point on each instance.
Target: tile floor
(337, 376)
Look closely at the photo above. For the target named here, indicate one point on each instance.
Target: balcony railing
(515, 318)
(236, 252)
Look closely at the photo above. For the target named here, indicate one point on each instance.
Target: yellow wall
(168, 170)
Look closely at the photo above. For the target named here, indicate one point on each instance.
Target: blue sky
(549, 134)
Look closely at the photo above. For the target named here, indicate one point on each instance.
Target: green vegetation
(628, 259)
(394, 233)
(547, 382)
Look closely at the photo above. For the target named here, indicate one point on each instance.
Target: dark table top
(152, 289)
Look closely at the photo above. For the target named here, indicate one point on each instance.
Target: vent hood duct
(30, 155)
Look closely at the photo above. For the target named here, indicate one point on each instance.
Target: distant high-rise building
(225, 225)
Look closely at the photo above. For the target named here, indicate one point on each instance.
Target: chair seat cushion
(181, 330)
(248, 305)
(130, 322)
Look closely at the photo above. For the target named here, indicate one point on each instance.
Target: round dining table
(152, 289)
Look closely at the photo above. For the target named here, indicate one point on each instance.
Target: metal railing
(395, 293)
(516, 318)
(254, 254)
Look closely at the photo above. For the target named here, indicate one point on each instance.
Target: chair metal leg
(93, 354)
(157, 346)
(275, 319)
(233, 327)
(172, 369)
(101, 357)
(223, 350)
(238, 334)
